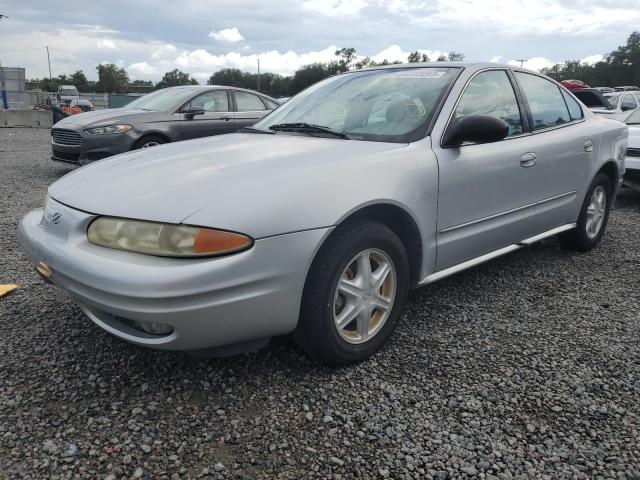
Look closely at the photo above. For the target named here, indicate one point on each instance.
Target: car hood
(253, 183)
(109, 116)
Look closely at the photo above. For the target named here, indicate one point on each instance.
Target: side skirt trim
(434, 277)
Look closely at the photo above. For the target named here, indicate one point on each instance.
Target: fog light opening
(153, 328)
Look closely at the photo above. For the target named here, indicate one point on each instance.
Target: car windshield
(613, 99)
(634, 118)
(163, 100)
(386, 105)
(68, 91)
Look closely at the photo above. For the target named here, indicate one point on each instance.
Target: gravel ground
(526, 367)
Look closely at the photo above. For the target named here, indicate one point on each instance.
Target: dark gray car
(167, 115)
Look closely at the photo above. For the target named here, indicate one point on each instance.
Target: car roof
(474, 66)
(216, 87)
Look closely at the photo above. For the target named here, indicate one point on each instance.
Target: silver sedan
(318, 220)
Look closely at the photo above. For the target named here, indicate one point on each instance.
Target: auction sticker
(419, 73)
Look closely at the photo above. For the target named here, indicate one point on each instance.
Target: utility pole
(521, 60)
(258, 74)
(49, 61)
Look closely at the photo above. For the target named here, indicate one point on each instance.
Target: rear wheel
(354, 295)
(149, 141)
(593, 218)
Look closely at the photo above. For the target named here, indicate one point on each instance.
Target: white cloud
(141, 69)
(394, 52)
(535, 63)
(335, 8)
(106, 44)
(496, 59)
(592, 59)
(231, 35)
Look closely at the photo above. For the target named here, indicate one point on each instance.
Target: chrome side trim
(434, 277)
(490, 217)
(548, 233)
(557, 197)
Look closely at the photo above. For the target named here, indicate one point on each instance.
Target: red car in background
(574, 84)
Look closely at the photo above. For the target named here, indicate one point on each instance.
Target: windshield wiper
(307, 127)
(255, 130)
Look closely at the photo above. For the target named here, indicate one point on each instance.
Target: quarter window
(213, 101)
(247, 102)
(628, 102)
(546, 102)
(575, 112)
(491, 93)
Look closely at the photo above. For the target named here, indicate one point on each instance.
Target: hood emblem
(56, 218)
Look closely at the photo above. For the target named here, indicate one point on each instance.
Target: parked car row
(317, 219)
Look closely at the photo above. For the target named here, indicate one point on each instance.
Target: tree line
(620, 67)
(114, 79)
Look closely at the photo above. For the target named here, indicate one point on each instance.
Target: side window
(547, 105)
(247, 102)
(491, 93)
(628, 103)
(213, 101)
(613, 100)
(575, 112)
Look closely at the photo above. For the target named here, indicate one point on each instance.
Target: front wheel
(354, 295)
(149, 141)
(593, 218)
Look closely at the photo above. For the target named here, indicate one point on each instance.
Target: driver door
(216, 120)
(488, 192)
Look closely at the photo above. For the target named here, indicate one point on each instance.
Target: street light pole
(3, 92)
(258, 74)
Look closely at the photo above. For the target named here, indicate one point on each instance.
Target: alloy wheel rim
(596, 211)
(364, 296)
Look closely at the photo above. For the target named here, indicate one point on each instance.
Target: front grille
(633, 152)
(66, 156)
(66, 137)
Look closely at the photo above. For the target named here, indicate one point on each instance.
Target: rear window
(546, 102)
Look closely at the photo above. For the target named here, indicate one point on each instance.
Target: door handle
(528, 160)
(588, 146)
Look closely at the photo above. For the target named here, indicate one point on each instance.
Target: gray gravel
(526, 367)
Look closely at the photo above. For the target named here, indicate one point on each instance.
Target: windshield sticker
(419, 73)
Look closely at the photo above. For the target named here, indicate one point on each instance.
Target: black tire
(578, 239)
(317, 333)
(149, 139)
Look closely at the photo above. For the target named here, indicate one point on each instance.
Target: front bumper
(208, 302)
(92, 147)
(632, 169)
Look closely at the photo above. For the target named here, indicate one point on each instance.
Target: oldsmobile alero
(318, 219)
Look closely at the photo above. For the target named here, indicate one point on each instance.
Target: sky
(150, 37)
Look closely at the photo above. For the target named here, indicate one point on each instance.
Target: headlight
(109, 129)
(164, 240)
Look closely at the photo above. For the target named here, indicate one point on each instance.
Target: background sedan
(167, 115)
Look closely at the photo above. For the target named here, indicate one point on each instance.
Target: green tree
(415, 57)
(233, 77)
(346, 58)
(176, 78)
(456, 56)
(111, 78)
(79, 79)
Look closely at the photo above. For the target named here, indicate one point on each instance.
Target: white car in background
(632, 160)
(623, 104)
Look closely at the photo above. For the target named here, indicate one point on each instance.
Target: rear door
(565, 146)
(249, 108)
(217, 118)
(488, 192)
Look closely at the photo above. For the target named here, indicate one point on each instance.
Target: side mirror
(192, 112)
(476, 129)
